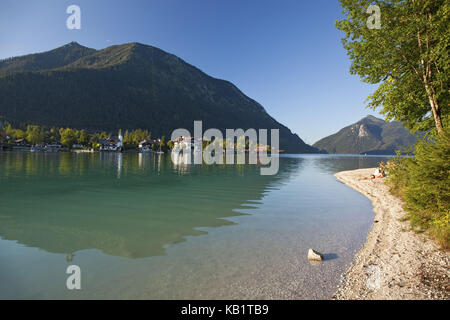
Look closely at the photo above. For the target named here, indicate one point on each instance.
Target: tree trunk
(435, 109)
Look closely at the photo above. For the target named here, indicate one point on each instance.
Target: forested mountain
(369, 135)
(56, 58)
(126, 87)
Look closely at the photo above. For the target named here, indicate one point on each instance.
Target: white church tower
(120, 144)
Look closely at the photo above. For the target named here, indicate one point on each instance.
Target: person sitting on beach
(378, 173)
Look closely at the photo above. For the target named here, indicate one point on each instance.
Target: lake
(142, 227)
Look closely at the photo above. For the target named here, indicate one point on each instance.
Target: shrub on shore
(423, 182)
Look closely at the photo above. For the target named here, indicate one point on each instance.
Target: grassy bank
(423, 182)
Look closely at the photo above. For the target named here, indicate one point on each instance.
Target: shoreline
(395, 263)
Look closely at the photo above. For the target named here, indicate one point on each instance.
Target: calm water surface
(141, 227)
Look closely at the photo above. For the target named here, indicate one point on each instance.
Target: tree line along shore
(45, 138)
(69, 138)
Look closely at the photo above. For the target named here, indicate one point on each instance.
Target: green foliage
(131, 139)
(424, 184)
(35, 134)
(408, 57)
(83, 138)
(14, 133)
(69, 137)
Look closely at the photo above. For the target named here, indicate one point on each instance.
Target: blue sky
(285, 54)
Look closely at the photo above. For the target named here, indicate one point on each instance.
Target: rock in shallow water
(314, 255)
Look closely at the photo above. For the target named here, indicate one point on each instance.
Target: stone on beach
(314, 255)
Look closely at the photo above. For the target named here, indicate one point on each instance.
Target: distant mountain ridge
(56, 58)
(126, 87)
(369, 135)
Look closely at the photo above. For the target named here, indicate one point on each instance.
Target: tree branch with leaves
(407, 57)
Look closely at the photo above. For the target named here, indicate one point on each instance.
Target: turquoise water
(142, 227)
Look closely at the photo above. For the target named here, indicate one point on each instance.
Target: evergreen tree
(424, 183)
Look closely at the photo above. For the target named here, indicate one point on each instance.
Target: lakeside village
(33, 138)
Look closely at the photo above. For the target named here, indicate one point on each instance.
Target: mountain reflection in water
(128, 205)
